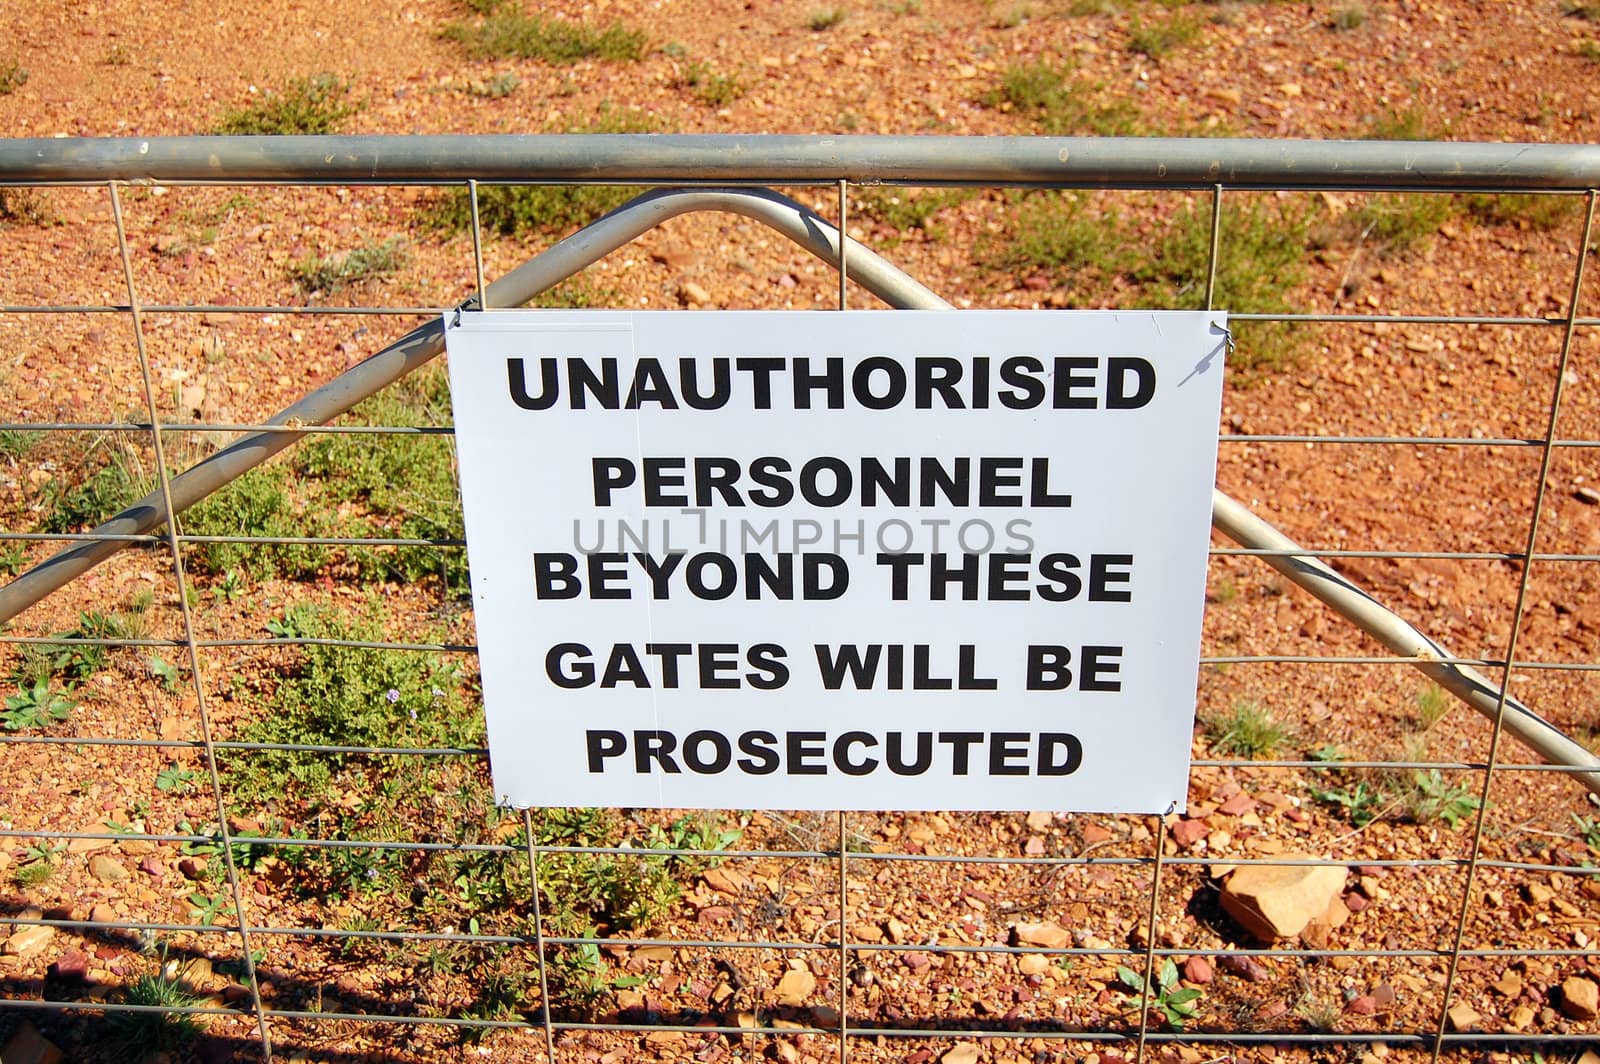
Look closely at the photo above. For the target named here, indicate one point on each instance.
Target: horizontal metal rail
(726, 159)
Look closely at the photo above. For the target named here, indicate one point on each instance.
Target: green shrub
(905, 209)
(1525, 210)
(1158, 39)
(511, 210)
(105, 492)
(825, 18)
(329, 273)
(258, 503)
(507, 34)
(711, 88)
(12, 77)
(1247, 730)
(313, 105)
(1061, 104)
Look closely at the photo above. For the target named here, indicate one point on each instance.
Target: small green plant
(1433, 702)
(1061, 103)
(13, 556)
(317, 104)
(116, 56)
(38, 706)
(825, 18)
(12, 77)
(496, 88)
(1430, 796)
(711, 88)
(507, 34)
(907, 209)
(1361, 803)
(104, 492)
(1525, 211)
(1588, 830)
(151, 1031)
(1411, 124)
(23, 205)
(1589, 49)
(1248, 730)
(1346, 17)
(175, 780)
(329, 273)
(38, 864)
(16, 443)
(1158, 39)
(209, 908)
(1176, 1003)
(1395, 223)
(166, 672)
(692, 833)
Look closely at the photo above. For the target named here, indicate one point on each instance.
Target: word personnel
(853, 753)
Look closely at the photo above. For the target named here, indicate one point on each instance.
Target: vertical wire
(538, 937)
(1516, 628)
(844, 951)
(1145, 996)
(477, 245)
(174, 540)
(844, 218)
(1216, 238)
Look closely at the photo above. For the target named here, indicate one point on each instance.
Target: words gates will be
(861, 560)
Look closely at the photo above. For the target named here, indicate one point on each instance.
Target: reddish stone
(714, 914)
(1246, 968)
(1093, 833)
(1189, 832)
(1362, 1006)
(917, 961)
(1271, 1010)
(73, 964)
(150, 866)
(1198, 970)
(1238, 805)
(1383, 994)
(1355, 901)
(192, 868)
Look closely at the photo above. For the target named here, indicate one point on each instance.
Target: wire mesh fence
(246, 794)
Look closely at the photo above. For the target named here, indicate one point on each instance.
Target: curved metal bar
(686, 159)
(421, 344)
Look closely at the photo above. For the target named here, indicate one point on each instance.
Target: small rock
(1271, 1010)
(1188, 832)
(1510, 985)
(150, 866)
(1047, 934)
(107, 869)
(236, 994)
(690, 293)
(961, 1053)
(896, 930)
(1384, 995)
(1588, 495)
(73, 964)
(1245, 967)
(1278, 901)
(192, 868)
(795, 986)
(102, 914)
(1093, 833)
(1034, 847)
(1538, 893)
(1198, 970)
(1040, 821)
(28, 939)
(1580, 998)
(1238, 805)
(724, 880)
(1033, 964)
(27, 1046)
(1462, 1017)
(1362, 1006)
(917, 961)
(1520, 1017)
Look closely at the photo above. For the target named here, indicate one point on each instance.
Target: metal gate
(853, 965)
